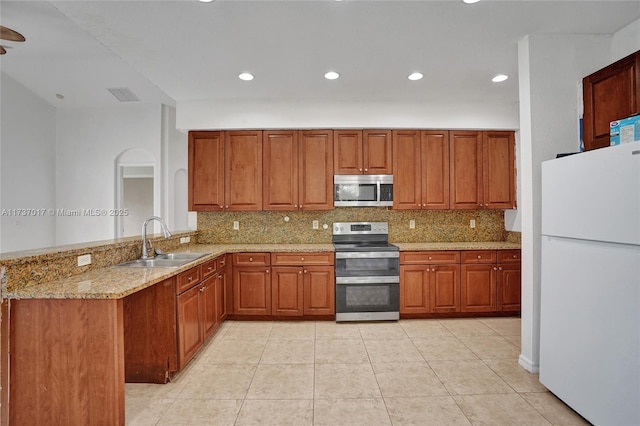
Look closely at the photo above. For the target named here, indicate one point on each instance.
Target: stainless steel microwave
(362, 190)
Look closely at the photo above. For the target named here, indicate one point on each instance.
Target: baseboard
(528, 365)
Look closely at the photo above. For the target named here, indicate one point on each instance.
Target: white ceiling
(167, 51)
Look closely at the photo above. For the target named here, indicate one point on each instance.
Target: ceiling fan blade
(9, 34)
(2, 50)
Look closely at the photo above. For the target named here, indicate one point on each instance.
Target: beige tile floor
(411, 372)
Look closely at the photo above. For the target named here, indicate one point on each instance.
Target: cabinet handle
(479, 257)
(636, 152)
(267, 271)
(202, 289)
(251, 259)
(299, 272)
(209, 268)
(220, 276)
(500, 268)
(430, 257)
(495, 269)
(515, 256)
(221, 206)
(189, 279)
(300, 205)
(433, 269)
(366, 170)
(302, 259)
(305, 271)
(359, 170)
(226, 207)
(295, 205)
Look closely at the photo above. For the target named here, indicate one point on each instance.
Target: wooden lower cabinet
(319, 294)
(251, 290)
(287, 291)
(429, 289)
(150, 342)
(479, 288)
(464, 281)
(190, 324)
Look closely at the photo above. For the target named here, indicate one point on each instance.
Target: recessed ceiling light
(246, 76)
(415, 76)
(205, 1)
(331, 75)
(499, 78)
(470, 1)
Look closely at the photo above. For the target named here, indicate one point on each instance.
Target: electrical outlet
(187, 239)
(412, 224)
(84, 260)
(472, 223)
(315, 224)
(236, 225)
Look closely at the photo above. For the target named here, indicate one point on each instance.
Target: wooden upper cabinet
(315, 169)
(434, 147)
(362, 152)
(280, 156)
(407, 189)
(609, 94)
(498, 168)
(243, 170)
(465, 156)
(206, 171)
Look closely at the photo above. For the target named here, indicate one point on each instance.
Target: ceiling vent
(124, 94)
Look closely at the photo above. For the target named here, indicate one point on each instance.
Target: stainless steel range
(367, 272)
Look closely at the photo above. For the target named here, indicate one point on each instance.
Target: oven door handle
(368, 280)
(368, 255)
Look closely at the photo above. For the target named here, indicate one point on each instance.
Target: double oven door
(367, 285)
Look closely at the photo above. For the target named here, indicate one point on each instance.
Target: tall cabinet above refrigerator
(590, 289)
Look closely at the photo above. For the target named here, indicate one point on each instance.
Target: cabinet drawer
(209, 268)
(222, 261)
(251, 259)
(429, 257)
(509, 256)
(188, 279)
(299, 259)
(479, 256)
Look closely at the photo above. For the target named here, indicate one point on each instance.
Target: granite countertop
(117, 283)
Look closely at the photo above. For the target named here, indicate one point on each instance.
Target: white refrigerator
(590, 289)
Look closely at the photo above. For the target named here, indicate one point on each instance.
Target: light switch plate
(412, 224)
(472, 223)
(84, 260)
(236, 225)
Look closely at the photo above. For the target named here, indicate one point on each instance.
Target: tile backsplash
(269, 227)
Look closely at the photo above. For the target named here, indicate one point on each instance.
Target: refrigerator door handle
(636, 152)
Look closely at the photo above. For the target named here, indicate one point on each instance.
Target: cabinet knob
(295, 205)
(251, 259)
(300, 205)
(302, 259)
(305, 271)
(267, 271)
(299, 272)
(515, 256)
(430, 257)
(220, 276)
(221, 206)
(433, 269)
(479, 257)
(495, 269)
(226, 207)
(366, 170)
(202, 289)
(359, 170)
(209, 268)
(189, 279)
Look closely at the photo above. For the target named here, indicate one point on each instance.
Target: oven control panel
(346, 228)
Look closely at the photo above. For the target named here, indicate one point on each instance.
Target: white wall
(176, 196)
(550, 67)
(88, 142)
(200, 115)
(626, 41)
(27, 167)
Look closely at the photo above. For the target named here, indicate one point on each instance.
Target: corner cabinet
(359, 152)
(609, 94)
(225, 171)
(298, 170)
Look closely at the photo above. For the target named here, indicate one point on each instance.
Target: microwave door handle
(378, 195)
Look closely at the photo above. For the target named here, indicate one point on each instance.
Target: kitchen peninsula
(69, 335)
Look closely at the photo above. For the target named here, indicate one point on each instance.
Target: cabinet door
(190, 334)
(407, 192)
(209, 303)
(509, 287)
(377, 152)
(319, 290)
(251, 290)
(435, 169)
(609, 94)
(498, 168)
(280, 180)
(414, 289)
(221, 290)
(243, 170)
(206, 171)
(347, 149)
(150, 340)
(286, 291)
(316, 169)
(465, 156)
(478, 293)
(444, 288)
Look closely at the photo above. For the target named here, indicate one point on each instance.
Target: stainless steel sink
(167, 260)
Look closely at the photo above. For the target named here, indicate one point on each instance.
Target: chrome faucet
(165, 231)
